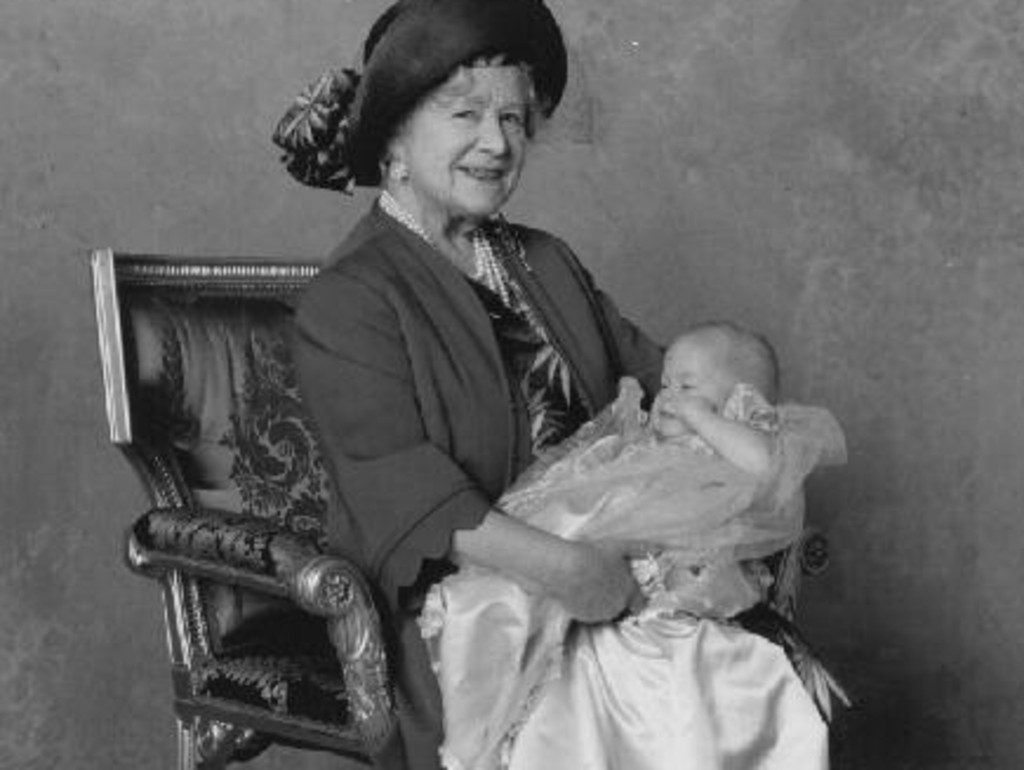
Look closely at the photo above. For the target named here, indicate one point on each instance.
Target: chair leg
(208, 744)
(202, 744)
(186, 745)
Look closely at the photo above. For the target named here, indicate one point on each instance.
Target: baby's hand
(691, 407)
(683, 407)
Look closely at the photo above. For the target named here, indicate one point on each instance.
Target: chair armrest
(221, 545)
(258, 554)
(809, 556)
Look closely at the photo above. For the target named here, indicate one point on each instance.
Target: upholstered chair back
(202, 397)
(215, 382)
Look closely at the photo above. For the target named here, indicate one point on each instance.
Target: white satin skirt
(661, 693)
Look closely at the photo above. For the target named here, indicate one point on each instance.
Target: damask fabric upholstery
(233, 540)
(299, 686)
(221, 384)
(218, 380)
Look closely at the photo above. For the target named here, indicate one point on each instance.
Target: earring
(398, 171)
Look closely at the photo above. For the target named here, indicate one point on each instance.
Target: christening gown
(676, 685)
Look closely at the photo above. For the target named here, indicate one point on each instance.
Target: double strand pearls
(487, 268)
(489, 271)
(394, 209)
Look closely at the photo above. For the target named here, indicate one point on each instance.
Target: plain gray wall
(847, 175)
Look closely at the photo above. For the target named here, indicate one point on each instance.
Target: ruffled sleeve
(806, 436)
(809, 437)
(746, 404)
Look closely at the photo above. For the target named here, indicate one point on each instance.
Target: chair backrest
(200, 390)
(201, 397)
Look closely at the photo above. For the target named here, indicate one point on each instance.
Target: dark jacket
(402, 374)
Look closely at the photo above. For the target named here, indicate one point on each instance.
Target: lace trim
(552, 671)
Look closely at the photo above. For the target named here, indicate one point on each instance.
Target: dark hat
(416, 44)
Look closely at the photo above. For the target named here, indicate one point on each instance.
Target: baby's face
(693, 368)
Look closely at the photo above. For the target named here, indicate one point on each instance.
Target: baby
(719, 386)
(708, 483)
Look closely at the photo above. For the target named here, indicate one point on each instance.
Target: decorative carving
(808, 556)
(814, 556)
(198, 628)
(325, 585)
(162, 476)
(357, 638)
(224, 278)
(216, 743)
(328, 585)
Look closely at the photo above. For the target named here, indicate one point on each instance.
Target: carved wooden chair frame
(211, 732)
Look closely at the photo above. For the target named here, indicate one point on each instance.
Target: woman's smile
(484, 174)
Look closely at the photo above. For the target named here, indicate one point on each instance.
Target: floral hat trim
(316, 132)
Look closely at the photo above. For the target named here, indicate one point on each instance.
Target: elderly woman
(443, 347)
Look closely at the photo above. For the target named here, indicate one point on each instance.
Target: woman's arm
(592, 583)
(401, 496)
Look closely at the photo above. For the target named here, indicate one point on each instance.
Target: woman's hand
(592, 581)
(601, 585)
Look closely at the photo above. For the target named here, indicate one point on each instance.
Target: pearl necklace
(487, 269)
(394, 209)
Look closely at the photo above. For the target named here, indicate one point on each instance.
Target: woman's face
(463, 148)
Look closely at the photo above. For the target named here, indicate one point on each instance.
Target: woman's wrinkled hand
(602, 587)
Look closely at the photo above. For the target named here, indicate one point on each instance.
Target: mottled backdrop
(847, 175)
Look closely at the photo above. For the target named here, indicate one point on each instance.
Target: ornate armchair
(271, 639)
